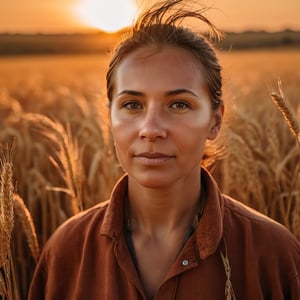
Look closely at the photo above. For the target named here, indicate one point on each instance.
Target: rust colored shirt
(87, 258)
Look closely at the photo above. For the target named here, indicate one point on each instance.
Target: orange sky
(236, 15)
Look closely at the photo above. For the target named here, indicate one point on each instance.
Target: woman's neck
(158, 212)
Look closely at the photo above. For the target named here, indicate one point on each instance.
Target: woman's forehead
(160, 59)
(154, 50)
(167, 69)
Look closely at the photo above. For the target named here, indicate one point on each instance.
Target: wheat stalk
(6, 218)
(6, 204)
(23, 214)
(229, 291)
(286, 111)
(67, 158)
(292, 122)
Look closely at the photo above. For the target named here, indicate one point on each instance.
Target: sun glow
(108, 15)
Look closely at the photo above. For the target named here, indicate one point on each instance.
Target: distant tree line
(100, 42)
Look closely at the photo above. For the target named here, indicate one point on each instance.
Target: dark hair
(161, 25)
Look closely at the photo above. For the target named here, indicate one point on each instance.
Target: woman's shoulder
(78, 227)
(242, 218)
(273, 250)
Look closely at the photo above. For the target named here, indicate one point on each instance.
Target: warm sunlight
(108, 15)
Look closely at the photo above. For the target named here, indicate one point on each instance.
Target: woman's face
(161, 116)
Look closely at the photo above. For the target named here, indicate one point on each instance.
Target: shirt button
(185, 262)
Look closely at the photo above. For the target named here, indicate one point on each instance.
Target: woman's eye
(180, 105)
(132, 105)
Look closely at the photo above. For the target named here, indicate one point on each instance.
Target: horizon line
(99, 31)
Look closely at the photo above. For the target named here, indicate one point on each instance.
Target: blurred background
(53, 60)
(71, 16)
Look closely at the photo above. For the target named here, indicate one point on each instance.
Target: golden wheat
(293, 196)
(6, 220)
(258, 164)
(23, 214)
(287, 112)
(67, 159)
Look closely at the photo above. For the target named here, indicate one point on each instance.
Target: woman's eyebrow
(180, 91)
(169, 93)
(130, 92)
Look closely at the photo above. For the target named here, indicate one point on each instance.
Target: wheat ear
(286, 111)
(6, 221)
(229, 291)
(6, 204)
(23, 214)
(67, 159)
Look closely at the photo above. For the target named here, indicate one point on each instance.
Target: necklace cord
(128, 229)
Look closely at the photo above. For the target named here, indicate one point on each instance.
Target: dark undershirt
(189, 233)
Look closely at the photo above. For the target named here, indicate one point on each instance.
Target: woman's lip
(153, 158)
(153, 155)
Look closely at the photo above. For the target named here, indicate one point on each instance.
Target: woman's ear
(216, 122)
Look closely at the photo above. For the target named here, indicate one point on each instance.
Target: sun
(107, 15)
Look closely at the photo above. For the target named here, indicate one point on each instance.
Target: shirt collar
(209, 229)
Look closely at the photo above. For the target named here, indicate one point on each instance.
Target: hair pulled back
(161, 25)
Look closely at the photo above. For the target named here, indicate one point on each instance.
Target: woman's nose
(153, 125)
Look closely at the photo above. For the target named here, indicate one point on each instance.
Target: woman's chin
(153, 181)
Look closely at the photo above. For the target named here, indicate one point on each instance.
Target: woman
(167, 232)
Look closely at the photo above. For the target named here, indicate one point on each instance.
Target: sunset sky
(79, 15)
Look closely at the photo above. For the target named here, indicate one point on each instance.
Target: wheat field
(57, 156)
